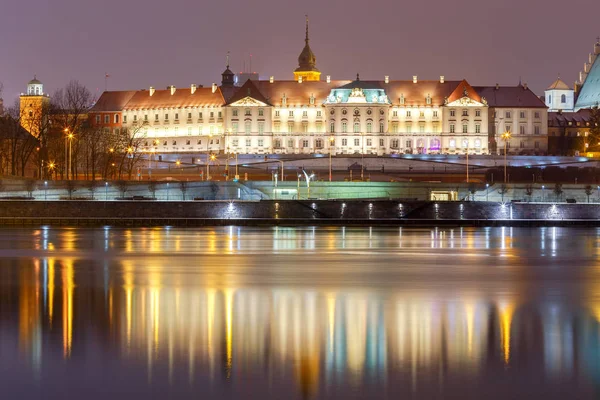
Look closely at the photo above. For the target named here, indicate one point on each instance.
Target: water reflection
(317, 312)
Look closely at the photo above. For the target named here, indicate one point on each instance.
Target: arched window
(344, 127)
(332, 127)
(369, 127)
(356, 127)
(563, 98)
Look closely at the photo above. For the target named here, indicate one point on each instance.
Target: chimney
(387, 79)
(414, 79)
(172, 89)
(193, 88)
(152, 90)
(442, 79)
(525, 86)
(214, 87)
(497, 86)
(328, 78)
(300, 79)
(271, 79)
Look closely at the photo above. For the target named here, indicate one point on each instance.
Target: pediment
(466, 102)
(248, 101)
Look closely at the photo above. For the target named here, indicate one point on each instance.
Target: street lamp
(178, 163)
(45, 190)
(506, 137)
(106, 191)
(487, 191)
(331, 142)
(69, 137)
(167, 191)
(210, 158)
(308, 178)
(543, 187)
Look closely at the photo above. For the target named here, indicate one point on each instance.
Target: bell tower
(33, 106)
(307, 62)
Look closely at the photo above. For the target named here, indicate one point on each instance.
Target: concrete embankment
(291, 212)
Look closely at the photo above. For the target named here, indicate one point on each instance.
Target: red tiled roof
(462, 89)
(183, 97)
(112, 101)
(510, 96)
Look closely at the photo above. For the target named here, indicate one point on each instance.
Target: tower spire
(306, 39)
(227, 60)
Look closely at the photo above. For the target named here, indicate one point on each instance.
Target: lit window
(247, 112)
(452, 143)
(357, 142)
(452, 128)
(290, 113)
(344, 142)
(235, 112)
(261, 142)
(166, 117)
(344, 127)
(408, 114)
(408, 128)
(477, 143)
(477, 128)
(247, 127)
(248, 142)
(465, 128)
(478, 113)
(176, 116)
(465, 113)
(369, 127)
(305, 114)
(261, 128)
(261, 112)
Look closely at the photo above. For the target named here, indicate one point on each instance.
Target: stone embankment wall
(292, 212)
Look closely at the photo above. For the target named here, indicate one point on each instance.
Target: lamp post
(506, 136)
(68, 138)
(210, 158)
(331, 142)
(543, 187)
(282, 174)
(308, 178)
(237, 175)
(106, 191)
(467, 140)
(362, 157)
(45, 190)
(178, 163)
(487, 191)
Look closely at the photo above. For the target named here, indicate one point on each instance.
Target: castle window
(356, 127)
(369, 127)
(381, 127)
(166, 117)
(247, 128)
(290, 128)
(305, 114)
(319, 114)
(522, 129)
(247, 112)
(344, 142)
(465, 128)
(465, 113)
(452, 128)
(235, 112)
(357, 142)
(261, 112)
(332, 127)
(563, 99)
(124, 119)
(291, 113)
(344, 127)
(97, 117)
(507, 114)
(116, 118)
(156, 117)
(536, 129)
(176, 116)
(537, 114)
(189, 115)
(408, 114)
(435, 114)
(107, 119)
(277, 113)
(478, 113)
(522, 114)
(477, 128)
(452, 113)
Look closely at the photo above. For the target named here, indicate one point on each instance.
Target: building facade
(308, 115)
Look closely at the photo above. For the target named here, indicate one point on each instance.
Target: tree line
(55, 139)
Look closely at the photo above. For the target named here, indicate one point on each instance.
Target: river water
(299, 313)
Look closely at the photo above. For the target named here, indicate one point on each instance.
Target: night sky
(142, 43)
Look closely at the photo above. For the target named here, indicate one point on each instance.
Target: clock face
(332, 111)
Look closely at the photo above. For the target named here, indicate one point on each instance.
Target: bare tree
(152, 187)
(588, 191)
(529, 191)
(503, 190)
(30, 187)
(123, 186)
(558, 191)
(92, 186)
(71, 187)
(183, 187)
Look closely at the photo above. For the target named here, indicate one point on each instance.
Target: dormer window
(283, 100)
(428, 100)
(401, 99)
(312, 99)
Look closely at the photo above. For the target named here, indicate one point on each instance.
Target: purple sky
(185, 41)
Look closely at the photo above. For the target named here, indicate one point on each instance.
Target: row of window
(522, 114)
(465, 113)
(465, 128)
(523, 129)
(291, 114)
(409, 114)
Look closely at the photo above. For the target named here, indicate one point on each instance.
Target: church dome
(34, 81)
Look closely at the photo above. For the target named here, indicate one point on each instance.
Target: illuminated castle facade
(311, 115)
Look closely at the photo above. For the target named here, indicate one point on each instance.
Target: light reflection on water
(300, 312)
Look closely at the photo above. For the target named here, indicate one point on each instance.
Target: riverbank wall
(295, 212)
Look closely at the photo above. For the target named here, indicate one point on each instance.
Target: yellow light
(213, 157)
(177, 162)
(111, 150)
(70, 136)
(129, 150)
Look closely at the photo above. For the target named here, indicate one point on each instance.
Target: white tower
(560, 97)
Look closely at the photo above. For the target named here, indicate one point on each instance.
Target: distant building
(559, 97)
(569, 133)
(34, 106)
(587, 88)
(516, 109)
